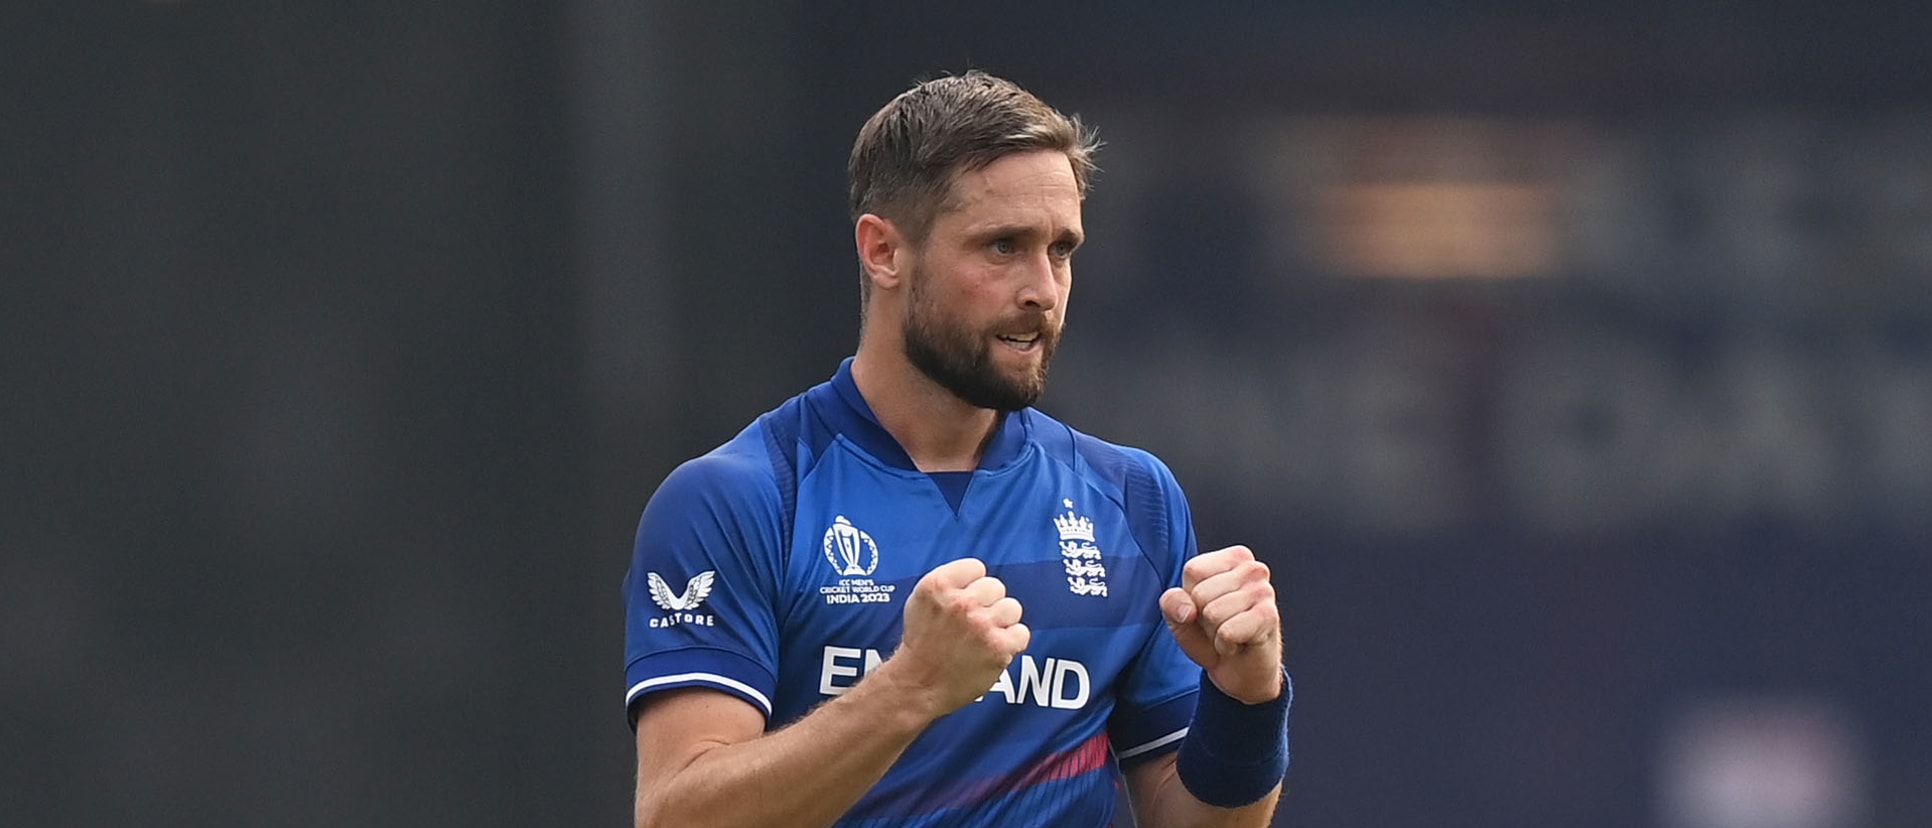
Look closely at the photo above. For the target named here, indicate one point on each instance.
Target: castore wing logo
(695, 592)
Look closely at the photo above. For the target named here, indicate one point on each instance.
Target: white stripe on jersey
(708, 678)
(1140, 749)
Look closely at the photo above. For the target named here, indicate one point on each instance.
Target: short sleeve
(1157, 694)
(700, 594)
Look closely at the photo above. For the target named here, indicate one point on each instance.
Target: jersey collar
(853, 418)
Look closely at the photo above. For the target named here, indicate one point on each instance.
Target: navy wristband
(1235, 753)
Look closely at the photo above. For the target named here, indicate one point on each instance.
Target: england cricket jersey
(776, 568)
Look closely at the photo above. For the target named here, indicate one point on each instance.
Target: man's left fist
(1225, 619)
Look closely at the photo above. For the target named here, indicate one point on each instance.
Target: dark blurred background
(1569, 361)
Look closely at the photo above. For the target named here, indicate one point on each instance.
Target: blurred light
(1420, 197)
(1430, 229)
(1749, 763)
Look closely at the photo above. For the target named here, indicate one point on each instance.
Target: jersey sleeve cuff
(1154, 731)
(718, 669)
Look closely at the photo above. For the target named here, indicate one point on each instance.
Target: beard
(961, 360)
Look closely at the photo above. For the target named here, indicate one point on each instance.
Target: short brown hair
(907, 154)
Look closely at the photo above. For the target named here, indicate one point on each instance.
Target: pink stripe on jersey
(1090, 755)
(936, 795)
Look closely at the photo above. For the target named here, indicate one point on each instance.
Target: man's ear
(881, 248)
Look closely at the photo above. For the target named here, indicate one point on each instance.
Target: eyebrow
(998, 231)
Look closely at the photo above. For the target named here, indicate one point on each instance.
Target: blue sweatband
(1235, 753)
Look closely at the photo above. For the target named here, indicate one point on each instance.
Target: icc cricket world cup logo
(850, 550)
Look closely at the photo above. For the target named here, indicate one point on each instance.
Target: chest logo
(854, 556)
(1086, 574)
(850, 550)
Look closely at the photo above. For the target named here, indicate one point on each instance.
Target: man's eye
(1005, 247)
(1063, 250)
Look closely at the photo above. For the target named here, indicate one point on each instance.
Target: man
(825, 613)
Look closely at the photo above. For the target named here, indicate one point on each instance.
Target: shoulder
(740, 472)
(1131, 471)
(758, 458)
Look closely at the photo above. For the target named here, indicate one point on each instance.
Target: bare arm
(703, 757)
(1160, 801)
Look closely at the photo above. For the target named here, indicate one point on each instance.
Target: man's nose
(1040, 286)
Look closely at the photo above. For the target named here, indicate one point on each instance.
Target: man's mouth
(1022, 342)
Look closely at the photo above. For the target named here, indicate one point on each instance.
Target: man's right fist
(962, 630)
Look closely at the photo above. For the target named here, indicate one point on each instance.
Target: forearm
(1166, 803)
(807, 774)
(1228, 771)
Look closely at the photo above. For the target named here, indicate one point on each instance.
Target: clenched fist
(1224, 617)
(962, 630)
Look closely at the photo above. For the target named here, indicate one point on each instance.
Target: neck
(939, 431)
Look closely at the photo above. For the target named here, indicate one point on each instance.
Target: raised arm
(703, 757)
(1228, 771)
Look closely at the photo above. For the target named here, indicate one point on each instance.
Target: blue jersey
(775, 568)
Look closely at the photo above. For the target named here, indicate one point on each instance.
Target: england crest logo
(1086, 573)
